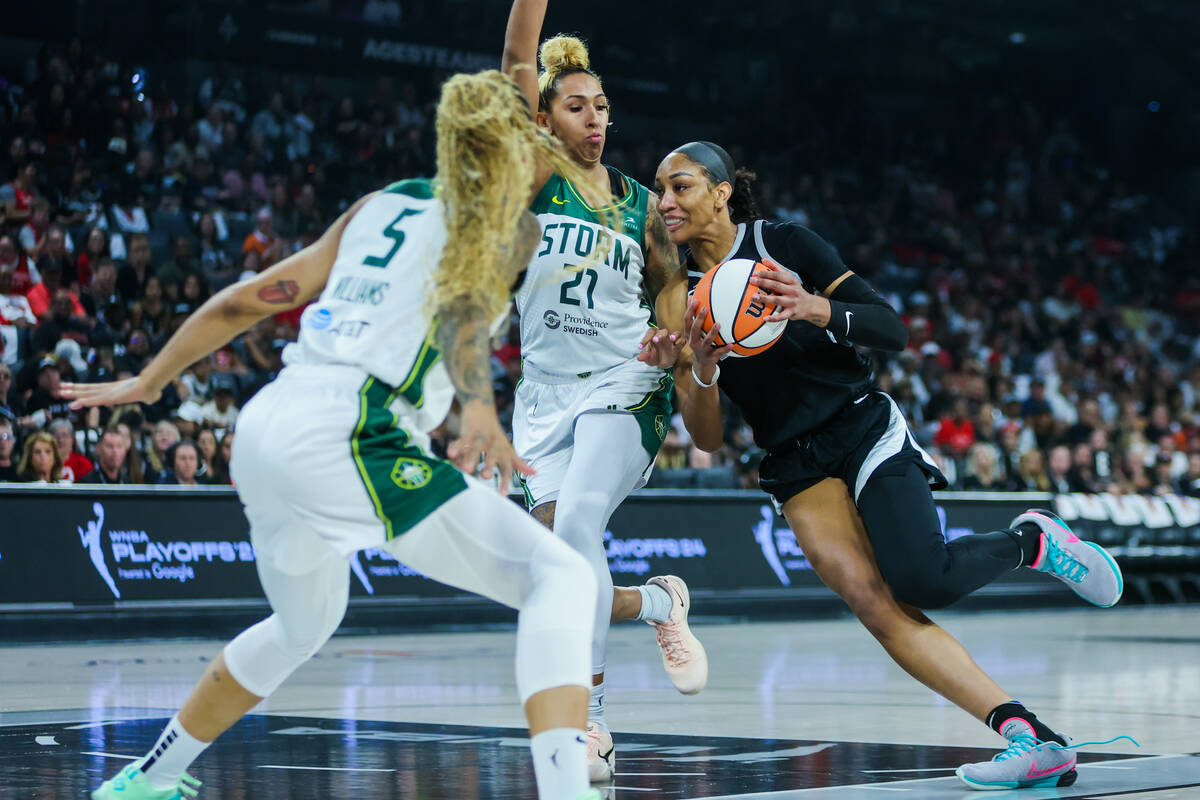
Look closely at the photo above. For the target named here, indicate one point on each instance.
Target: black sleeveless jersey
(810, 373)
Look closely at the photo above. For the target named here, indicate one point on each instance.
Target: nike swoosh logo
(849, 314)
(1037, 773)
(555, 199)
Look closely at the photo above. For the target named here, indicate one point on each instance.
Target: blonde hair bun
(563, 52)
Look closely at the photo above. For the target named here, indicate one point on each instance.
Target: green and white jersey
(592, 318)
(373, 312)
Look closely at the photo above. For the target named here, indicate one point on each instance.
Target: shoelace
(1063, 563)
(1024, 743)
(672, 644)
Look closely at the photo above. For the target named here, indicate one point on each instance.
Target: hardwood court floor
(792, 710)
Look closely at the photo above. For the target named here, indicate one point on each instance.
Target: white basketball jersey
(580, 316)
(373, 311)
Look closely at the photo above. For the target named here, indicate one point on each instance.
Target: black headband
(712, 157)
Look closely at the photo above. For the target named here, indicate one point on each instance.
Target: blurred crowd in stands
(1052, 313)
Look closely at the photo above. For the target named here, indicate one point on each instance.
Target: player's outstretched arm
(231, 311)
(666, 284)
(521, 47)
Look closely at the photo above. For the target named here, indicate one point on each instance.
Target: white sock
(656, 603)
(560, 763)
(171, 755)
(596, 705)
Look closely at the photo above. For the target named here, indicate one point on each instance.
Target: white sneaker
(1084, 566)
(601, 753)
(683, 656)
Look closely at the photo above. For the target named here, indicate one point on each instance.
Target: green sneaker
(130, 784)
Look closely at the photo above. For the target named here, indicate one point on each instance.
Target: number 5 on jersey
(396, 235)
(565, 298)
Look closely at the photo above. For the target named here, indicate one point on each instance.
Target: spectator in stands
(16, 197)
(1188, 485)
(46, 402)
(956, 433)
(15, 316)
(221, 459)
(32, 235)
(1059, 468)
(220, 412)
(263, 240)
(206, 444)
(184, 458)
(1161, 480)
(132, 277)
(192, 295)
(151, 313)
(129, 425)
(95, 249)
(40, 460)
(10, 405)
(101, 295)
(8, 442)
(982, 471)
(166, 435)
(111, 454)
(1031, 472)
(22, 274)
(41, 295)
(75, 464)
(180, 265)
(214, 258)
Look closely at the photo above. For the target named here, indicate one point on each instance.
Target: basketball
(728, 294)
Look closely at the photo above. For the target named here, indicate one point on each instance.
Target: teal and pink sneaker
(1084, 566)
(1027, 762)
(130, 784)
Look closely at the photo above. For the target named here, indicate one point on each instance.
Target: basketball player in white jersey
(333, 456)
(590, 416)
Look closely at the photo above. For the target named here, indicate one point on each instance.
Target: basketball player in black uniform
(841, 464)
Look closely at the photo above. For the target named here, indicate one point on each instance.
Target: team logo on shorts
(409, 473)
(552, 320)
(660, 426)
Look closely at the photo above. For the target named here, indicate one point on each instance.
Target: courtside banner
(101, 545)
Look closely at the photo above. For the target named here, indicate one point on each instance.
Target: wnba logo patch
(409, 473)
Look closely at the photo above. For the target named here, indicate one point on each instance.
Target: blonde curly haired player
(333, 456)
(595, 397)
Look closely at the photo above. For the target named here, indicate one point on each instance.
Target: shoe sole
(1112, 565)
(1068, 778)
(693, 639)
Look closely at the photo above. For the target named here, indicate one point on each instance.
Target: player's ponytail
(560, 56)
(742, 205)
(488, 150)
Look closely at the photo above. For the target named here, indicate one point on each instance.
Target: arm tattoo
(462, 337)
(662, 257)
(280, 293)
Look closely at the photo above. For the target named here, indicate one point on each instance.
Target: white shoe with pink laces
(601, 753)
(683, 656)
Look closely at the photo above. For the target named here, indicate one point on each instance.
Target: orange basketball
(728, 294)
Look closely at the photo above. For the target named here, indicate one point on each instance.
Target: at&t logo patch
(409, 473)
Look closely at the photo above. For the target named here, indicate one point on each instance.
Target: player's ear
(543, 121)
(721, 194)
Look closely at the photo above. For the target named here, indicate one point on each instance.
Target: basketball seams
(727, 292)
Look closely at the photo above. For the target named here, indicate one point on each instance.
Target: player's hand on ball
(660, 348)
(783, 289)
(114, 393)
(705, 352)
(483, 447)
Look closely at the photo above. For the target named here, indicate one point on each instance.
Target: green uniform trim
(559, 196)
(653, 413)
(412, 388)
(418, 188)
(405, 483)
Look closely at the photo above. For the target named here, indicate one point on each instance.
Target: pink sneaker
(601, 753)
(683, 656)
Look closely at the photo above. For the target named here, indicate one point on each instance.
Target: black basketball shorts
(867, 437)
